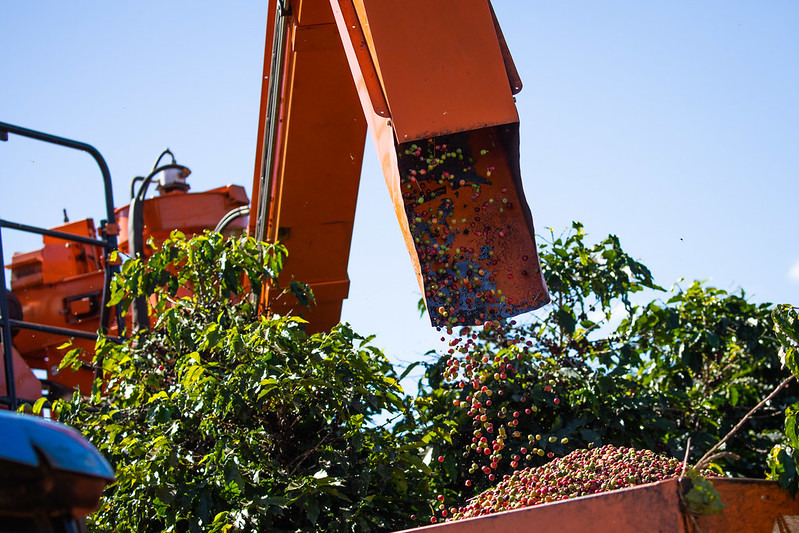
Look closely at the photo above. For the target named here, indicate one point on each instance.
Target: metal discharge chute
(434, 84)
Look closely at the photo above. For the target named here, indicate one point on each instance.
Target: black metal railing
(108, 243)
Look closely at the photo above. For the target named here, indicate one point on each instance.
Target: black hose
(160, 157)
(136, 237)
(230, 216)
(133, 185)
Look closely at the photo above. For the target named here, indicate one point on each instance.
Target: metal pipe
(133, 186)
(110, 237)
(109, 234)
(6, 400)
(271, 127)
(66, 332)
(136, 210)
(69, 143)
(230, 216)
(8, 360)
(54, 233)
(136, 239)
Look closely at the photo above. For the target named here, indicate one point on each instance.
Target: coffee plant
(221, 419)
(784, 457)
(522, 394)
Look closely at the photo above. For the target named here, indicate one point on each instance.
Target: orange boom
(434, 82)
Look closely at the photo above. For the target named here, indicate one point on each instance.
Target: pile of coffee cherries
(580, 473)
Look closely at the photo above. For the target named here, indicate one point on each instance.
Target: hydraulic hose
(230, 216)
(136, 237)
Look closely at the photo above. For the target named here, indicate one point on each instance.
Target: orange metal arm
(317, 151)
(435, 84)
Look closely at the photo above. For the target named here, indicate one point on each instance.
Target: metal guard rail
(108, 243)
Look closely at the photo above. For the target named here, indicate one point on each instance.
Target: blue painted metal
(30, 440)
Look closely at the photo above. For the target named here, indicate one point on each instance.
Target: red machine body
(61, 284)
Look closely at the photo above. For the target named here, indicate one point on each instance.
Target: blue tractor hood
(47, 467)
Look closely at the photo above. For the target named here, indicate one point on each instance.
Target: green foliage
(784, 457)
(220, 419)
(786, 326)
(595, 368)
(583, 278)
(711, 357)
(585, 282)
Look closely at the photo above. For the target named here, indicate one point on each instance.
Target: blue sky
(673, 125)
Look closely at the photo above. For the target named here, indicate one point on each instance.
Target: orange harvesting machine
(434, 84)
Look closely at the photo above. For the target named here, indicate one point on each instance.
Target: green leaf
(267, 386)
(39, 404)
(703, 498)
(791, 426)
(302, 292)
(416, 461)
(782, 468)
(192, 374)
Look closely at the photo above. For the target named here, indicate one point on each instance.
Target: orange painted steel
(314, 185)
(261, 135)
(447, 80)
(471, 227)
(440, 65)
(61, 284)
(425, 72)
(25, 382)
(191, 213)
(434, 75)
(752, 506)
(73, 303)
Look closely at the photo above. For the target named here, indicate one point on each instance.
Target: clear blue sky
(674, 125)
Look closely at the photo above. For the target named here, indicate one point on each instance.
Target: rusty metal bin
(752, 506)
